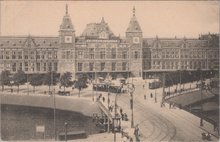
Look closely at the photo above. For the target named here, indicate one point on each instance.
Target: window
(1, 54)
(55, 54)
(113, 66)
(91, 53)
(13, 55)
(80, 66)
(20, 66)
(136, 55)
(124, 66)
(7, 55)
(102, 66)
(91, 66)
(113, 53)
(32, 54)
(102, 54)
(55, 66)
(80, 54)
(19, 54)
(14, 67)
(68, 54)
(26, 66)
(32, 67)
(38, 54)
(49, 55)
(45, 66)
(50, 66)
(43, 55)
(124, 54)
(38, 66)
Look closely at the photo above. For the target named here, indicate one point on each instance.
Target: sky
(162, 18)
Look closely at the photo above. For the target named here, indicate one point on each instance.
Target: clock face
(136, 40)
(68, 39)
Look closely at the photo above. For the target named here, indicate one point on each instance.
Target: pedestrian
(151, 95)
(145, 96)
(103, 99)
(136, 133)
(121, 111)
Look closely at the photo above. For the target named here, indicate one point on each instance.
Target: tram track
(162, 128)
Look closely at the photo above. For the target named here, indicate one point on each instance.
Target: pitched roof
(66, 23)
(28, 41)
(174, 42)
(133, 25)
(95, 29)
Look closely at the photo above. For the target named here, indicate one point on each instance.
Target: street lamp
(201, 111)
(116, 119)
(66, 131)
(131, 88)
(108, 107)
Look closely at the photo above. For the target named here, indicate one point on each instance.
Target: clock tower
(67, 32)
(66, 52)
(134, 39)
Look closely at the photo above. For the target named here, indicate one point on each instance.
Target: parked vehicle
(64, 93)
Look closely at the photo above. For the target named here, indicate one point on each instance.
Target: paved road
(161, 124)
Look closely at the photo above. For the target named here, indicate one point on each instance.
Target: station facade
(98, 51)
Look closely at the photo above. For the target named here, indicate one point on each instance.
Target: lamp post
(116, 119)
(201, 111)
(132, 111)
(108, 107)
(66, 131)
(131, 88)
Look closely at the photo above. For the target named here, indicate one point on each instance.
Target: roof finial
(66, 9)
(134, 11)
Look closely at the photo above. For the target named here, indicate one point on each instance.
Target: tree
(50, 79)
(65, 80)
(5, 78)
(19, 78)
(36, 80)
(81, 83)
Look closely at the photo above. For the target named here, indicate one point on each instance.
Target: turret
(134, 39)
(67, 32)
(134, 32)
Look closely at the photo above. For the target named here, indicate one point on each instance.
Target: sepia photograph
(109, 71)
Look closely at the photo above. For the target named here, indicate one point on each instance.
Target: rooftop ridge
(25, 36)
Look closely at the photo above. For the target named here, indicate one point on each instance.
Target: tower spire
(66, 9)
(134, 11)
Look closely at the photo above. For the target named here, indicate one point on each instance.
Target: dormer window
(44, 41)
(19, 41)
(50, 44)
(14, 44)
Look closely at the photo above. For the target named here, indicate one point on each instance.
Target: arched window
(136, 55)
